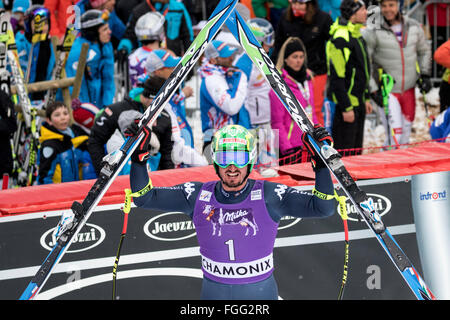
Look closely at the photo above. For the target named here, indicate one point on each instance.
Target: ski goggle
(225, 158)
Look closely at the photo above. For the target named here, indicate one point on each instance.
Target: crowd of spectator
(326, 51)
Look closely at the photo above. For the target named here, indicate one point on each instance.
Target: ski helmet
(37, 14)
(150, 26)
(233, 144)
(262, 30)
(90, 21)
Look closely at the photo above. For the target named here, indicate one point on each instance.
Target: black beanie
(152, 86)
(349, 7)
(292, 47)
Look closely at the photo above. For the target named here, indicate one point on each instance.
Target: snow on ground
(375, 134)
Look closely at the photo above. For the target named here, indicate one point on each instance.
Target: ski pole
(387, 82)
(424, 96)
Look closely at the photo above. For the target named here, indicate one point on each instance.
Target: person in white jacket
(223, 91)
(398, 45)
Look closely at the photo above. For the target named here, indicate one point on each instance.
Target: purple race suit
(236, 240)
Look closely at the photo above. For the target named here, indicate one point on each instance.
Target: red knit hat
(84, 114)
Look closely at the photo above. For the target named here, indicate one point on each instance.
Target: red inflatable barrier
(429, 157)
(425, 158)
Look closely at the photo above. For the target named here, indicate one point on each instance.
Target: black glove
(424, 83)
(319, 134)
(121, 57)
(141, 153)
(377, 96)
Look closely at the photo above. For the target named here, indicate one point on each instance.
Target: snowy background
(375, 134)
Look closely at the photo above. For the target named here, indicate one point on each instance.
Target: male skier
(236, 218)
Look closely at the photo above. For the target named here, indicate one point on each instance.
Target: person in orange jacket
(58, 15)
(442, 57)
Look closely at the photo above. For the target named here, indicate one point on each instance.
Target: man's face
(389, 9)
(225, 62)
(360, 15)
(60, 118)
(233, 178)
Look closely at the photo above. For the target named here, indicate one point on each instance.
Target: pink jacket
(289, 132)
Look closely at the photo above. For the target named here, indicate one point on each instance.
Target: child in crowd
(63, 155)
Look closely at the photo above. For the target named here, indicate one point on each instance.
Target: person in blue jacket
(97, 85)
(440, 128)
(115, 23)
(223, 91)
(332, 7)
(63, 156)
(36, 60)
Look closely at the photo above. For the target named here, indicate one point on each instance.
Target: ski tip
(29, 292)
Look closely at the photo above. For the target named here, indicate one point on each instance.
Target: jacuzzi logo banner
(174, 226)
(382, 205)
(90, 236)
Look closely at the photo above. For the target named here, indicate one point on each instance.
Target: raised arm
(282, 200)
(177, 198)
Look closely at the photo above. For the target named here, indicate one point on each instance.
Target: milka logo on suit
(220, 217)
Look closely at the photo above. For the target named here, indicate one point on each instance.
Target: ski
(62, 55)
(363, 204)
(5, 77)
(69, 226)
(28, 133)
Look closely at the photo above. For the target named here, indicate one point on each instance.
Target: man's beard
(237, 183)
(233, 185)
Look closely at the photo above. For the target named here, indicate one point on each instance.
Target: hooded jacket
(97, 86)
(348, 65)
(63, 158)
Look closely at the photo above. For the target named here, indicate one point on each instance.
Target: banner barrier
(160, 257)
